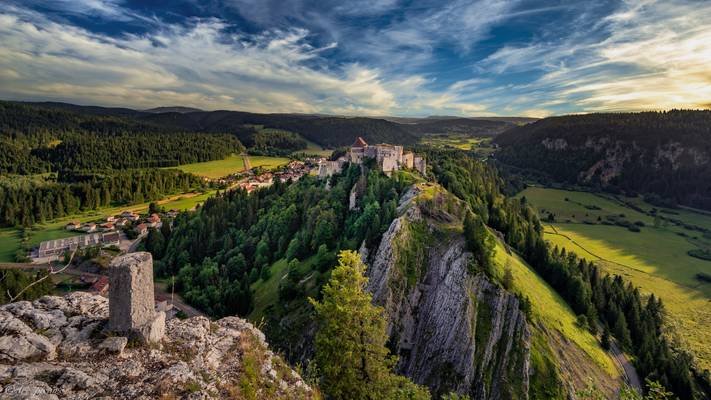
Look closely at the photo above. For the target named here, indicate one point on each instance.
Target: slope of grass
(266, 293)
(550, 309)
(230, 165)
(654, 259)
(9, 243)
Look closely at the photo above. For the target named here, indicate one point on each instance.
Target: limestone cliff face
(453, 329)
(56, 347)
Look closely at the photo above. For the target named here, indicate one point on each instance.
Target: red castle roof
(359, 142)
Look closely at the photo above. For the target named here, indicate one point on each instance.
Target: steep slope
(667, 153)
(455, 328)
(55, 347)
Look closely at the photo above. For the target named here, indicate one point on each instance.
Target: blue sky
(361, 57)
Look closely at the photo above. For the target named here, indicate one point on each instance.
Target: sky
(360, 57)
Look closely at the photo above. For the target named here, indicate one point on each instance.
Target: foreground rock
(58, 347)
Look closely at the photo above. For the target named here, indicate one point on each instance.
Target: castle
(389, 158)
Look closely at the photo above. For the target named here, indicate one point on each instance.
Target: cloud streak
(372, 57)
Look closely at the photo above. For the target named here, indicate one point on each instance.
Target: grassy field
(230, 165)
(462, 142)
(316, 149)
(654, 259)
(551, 309)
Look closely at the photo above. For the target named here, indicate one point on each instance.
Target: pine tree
(350, 345)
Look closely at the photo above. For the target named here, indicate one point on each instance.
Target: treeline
(663, 153)
(275, 142)
(595, 296)
(26, 201)
(235, 237)
(39, 140)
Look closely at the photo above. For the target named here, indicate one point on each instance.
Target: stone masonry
(131, 298)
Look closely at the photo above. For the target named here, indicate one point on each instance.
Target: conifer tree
(350, 345)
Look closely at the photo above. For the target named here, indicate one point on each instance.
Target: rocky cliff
(453, 329)
(57, 347)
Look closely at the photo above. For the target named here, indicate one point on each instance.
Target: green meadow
(462, 142)
(230, 165)
(655, 259)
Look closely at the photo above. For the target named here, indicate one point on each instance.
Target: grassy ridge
(550, 309)
(654, 259)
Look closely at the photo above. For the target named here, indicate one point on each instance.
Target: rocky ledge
(58, 347)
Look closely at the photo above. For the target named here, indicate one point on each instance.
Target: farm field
(230, 165)
(316, 149)
(655, 259)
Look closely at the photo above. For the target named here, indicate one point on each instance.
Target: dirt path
(630, 372)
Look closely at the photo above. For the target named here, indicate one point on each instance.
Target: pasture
(654, 259)
(230, 165)
(459, 141)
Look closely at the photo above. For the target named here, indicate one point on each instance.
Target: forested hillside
(468, 126)
(48, 139)
(662, 154)
(25, 201)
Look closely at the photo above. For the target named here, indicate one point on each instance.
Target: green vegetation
(26, 201)
(655, 259)
(350, 344)
(548, 307)
(231, 165)
(39, 139)
(666, 154)
(636, 321)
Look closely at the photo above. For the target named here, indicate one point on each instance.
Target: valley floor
(655, 258)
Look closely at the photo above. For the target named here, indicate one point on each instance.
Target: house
(134, 217)
(111, 239)
(107, 227)
(172, 213)
(100, 286)
(141, 229)
(126, 214)
(57, 247)
(120, 222)
(72, 225)
(88, 227)
(110, 218)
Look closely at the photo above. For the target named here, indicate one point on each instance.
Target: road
(630, 372)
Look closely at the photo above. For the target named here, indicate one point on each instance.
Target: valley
(655, 258)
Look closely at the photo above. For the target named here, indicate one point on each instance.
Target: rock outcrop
(59, 347)
(453, 329)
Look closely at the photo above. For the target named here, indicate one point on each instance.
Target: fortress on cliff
(389, 158)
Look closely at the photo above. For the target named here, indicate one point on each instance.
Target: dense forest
(29, 200)
(665, 154)
(40, 140)
(601, 301)
(235, 237)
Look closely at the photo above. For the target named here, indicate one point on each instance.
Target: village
(122, 233)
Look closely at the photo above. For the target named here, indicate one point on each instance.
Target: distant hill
(459, 126)
(327, 131)
(667, 154)
(176, 109)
